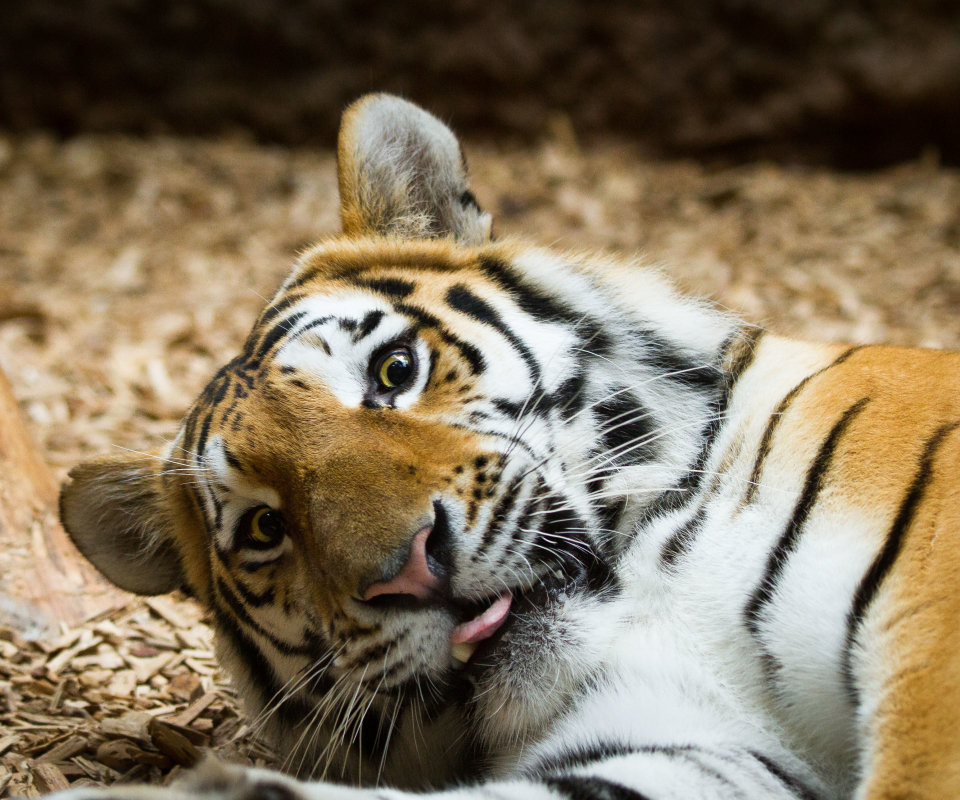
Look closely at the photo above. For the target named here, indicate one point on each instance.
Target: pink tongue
(484, 626)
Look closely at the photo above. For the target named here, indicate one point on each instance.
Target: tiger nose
(414, 578)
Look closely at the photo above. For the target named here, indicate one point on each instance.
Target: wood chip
(132, 725)
(48, 778)
(95, 677)
(58, 662)
(146, 668)
(123, 755)
(196, 666)
(174, 744)
(64, 751)
(166, 610)
(8, 741)
(186, 687)
(58, 693)
(192, 735)
(123, 683)
(194, 710)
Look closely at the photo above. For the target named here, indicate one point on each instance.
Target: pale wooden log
(43, 578)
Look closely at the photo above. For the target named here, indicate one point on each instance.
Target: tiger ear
(115, 511)
(402, 173)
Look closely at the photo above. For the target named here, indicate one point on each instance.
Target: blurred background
(852, 83)
(162, 162)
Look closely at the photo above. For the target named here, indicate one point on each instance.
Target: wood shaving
(66, 729)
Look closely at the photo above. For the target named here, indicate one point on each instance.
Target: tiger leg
(905, 661)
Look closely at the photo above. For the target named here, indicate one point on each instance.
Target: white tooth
(462, 651)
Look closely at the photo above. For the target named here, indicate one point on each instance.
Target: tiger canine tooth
(462, 651)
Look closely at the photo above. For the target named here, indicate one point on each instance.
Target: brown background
(849, 82)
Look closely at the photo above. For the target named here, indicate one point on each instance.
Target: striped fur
(732, 557)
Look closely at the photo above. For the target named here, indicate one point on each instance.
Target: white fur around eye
(257, 557)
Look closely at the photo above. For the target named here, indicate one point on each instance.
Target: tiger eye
(395, 369)
(267, 527)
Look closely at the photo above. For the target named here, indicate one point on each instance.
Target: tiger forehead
(347, 260)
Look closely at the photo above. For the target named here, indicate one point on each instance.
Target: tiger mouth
(466, 637)
(484, 624)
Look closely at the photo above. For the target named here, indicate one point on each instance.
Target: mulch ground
(131, 269)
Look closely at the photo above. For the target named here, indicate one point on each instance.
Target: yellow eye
(395, 369)
(266, 527)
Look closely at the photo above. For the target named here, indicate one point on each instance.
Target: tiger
(475, 518)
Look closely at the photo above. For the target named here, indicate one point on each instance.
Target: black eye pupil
(271, 524)
(398, 370)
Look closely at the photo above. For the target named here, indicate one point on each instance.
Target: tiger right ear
(402, 173)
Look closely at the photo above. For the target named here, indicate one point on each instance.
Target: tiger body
(687, 558)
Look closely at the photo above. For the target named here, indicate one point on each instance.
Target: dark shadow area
(850, 83)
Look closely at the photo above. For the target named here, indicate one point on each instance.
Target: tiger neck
(698, 433)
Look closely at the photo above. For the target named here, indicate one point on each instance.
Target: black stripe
(793, 783)
(582, 787)
(741, 353)
(272, 311)
(253, 598)
(293, 709)
(460, 298)
(367, 325)
(569, 398)
(530, 299)
(232, 460)
(501, 512)
(509, 408)
(201, 444)
(472, 355)
(275, 335)
(683, 492)
(666, 358)
(625, 429)
(581, 756)
(787, 544)
(682, 539)
(396, 288)
(886, 558)
(223, 384)
(240, 611)
(217, 509)
(766, 441)
(316, 323)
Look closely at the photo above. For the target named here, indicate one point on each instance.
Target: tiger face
(399, 500)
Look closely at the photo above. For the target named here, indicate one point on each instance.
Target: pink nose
(414, 578)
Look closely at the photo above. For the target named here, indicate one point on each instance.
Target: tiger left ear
(402, 173)
(114, 509)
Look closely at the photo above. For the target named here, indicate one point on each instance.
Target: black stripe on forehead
(275, 334)
(542, 306)
(396, 288)
(425, 319)
(529, 298)
(367, 325)
(277, 308)
(462, 299)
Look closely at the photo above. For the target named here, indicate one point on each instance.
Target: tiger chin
(483, 519)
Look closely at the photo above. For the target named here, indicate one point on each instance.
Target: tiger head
(400, 498)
